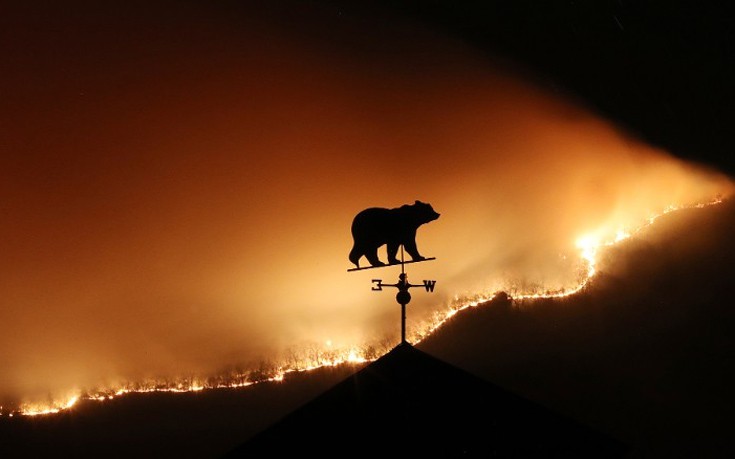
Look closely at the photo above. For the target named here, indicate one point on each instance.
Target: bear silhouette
(378, 226)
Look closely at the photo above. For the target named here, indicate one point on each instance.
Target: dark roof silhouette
(408, 402)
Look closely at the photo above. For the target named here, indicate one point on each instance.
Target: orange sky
(177, 185)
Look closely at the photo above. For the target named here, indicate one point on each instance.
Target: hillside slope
(647, 353)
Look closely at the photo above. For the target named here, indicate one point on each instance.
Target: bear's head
(422, 212)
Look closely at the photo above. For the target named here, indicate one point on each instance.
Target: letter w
(429, 285)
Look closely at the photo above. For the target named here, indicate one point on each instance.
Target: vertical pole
(403, 323)
(403, 305)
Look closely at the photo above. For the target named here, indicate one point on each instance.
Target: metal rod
(403, 297)
(403, 323)
(403, 305)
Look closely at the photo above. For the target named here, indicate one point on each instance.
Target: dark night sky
(662, 69)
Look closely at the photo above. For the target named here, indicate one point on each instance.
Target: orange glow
(178, 218)
(588, 245)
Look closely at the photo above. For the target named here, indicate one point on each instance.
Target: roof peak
(408, 401)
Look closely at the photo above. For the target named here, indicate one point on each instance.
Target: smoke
(177, 185)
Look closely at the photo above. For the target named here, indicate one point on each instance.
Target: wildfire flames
(589, 246)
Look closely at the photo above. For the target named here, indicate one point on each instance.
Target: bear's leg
(392, 252)
(410, 246)
(355, 256)
(372, 255)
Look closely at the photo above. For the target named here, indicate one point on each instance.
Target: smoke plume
(177, 184)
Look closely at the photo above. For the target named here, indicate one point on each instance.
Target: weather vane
(395, 228)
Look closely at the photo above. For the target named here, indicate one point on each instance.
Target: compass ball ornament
(378, 226)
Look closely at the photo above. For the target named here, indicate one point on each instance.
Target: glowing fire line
(589, 246)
